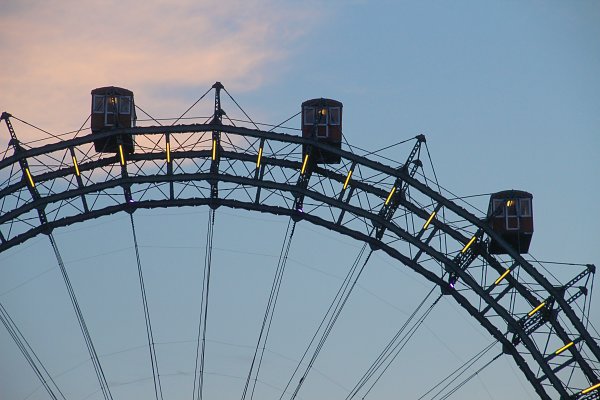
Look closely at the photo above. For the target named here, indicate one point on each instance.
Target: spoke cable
(333, 312)
(405, 340)
(281, 123)
(459, 371)
(190, 107)
(467, 379)
(148, 115)
(333, 303)
(241, 109)
(84, 330)
(201, 341)
(375, 152)
(149, 334)
(30, 355)
(393, 348)
(270, 309)
(81, 127)
(38, 128)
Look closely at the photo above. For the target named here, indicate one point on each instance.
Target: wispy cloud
(55, 52)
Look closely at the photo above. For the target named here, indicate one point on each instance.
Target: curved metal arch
(126, 180)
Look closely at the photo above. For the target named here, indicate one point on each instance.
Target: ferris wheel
(475, 259)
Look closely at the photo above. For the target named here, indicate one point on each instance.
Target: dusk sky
(507, 94)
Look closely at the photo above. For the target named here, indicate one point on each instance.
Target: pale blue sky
(506, 92)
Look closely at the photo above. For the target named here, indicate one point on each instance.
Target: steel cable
(190, 107)
(403, 342)
(149, 334)
(38, 128)
(322, 322)
(241, 109)
(459, 371)
(393, 346)
(333, 312)
(30, 355)
(270, 309)
(84, 330)
(201, 341)
(474, 374)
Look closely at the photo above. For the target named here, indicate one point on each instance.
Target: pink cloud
(55, 52)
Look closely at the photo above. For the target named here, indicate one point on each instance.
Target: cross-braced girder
(392, 209)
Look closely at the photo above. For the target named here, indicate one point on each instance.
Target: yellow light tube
(468, 244)
(565, 347)
(304, 164)
(168, 152)
(76, 166)
(29, 177)
(347, 179)
(596, 386)
(214, 149)
(429, 220)
(260, 150)
(502, 276)
(390, 195)
(538, 308)
(121, 154)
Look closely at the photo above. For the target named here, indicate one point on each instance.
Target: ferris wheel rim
(217, 202)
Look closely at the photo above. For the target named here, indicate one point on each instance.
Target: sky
(507, 94)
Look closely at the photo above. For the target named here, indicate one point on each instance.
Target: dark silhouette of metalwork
(393, 210)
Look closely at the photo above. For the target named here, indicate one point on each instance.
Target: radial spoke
(393, 348)
(329, 320)
(32, 359)
(270, 310)
(150, 336)
(201, 342)
(84, 329)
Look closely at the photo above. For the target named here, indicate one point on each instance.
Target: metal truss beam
(381, 218)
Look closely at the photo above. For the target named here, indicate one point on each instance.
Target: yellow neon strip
(538, 308)
(304, 164)
(29, 177)
(168, 152)
(596, 386)
(429, 220)
(347, 179)
(214, 149)
(259, 157)
(76, 166)
(122, 155)
(390, 195)
(502, 276)
(566, 346)
(468, 244)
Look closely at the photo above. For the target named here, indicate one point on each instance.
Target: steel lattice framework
(394, 210)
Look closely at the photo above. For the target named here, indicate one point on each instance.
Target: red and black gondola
(510, 213)
(322, 121)
(113, 107)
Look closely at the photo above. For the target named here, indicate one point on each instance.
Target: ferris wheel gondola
(112, 108)
(510, 213)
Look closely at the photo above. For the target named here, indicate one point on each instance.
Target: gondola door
(322, 123)
(512, 215)
(111, 115)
